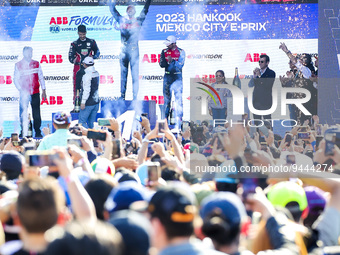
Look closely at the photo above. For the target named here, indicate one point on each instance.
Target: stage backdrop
(213, 36)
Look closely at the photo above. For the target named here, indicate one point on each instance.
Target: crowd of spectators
(200, 190)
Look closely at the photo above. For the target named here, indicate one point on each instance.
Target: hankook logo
(57, 78)
(205, 56)
(6, 58)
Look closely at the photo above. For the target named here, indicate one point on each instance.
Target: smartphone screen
(42, 160)
(161, 126)
(15, 139)
(290, 159)
(288, 139)
(103, 122)
(91, 134)
(318, 129)
(329, 148)
(116, 149)
(303, 135)
(153, 171)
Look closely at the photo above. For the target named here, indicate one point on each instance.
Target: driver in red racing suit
(79, 50)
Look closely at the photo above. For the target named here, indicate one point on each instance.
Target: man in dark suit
(263, 83)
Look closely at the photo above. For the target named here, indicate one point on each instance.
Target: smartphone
(15, 139)
(41, 159)
(318, 129)
(288, 139)
(264, 130)
(303, 129)
(153, 171)
(103, 122)
(161, 125)
(93, 134)
(329, 148)
(318, 139)
(116, 149)
(303, 135)
(290, 159)
(75, 141)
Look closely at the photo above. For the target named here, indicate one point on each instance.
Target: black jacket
(262, 94)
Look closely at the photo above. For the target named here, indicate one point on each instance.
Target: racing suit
(79, 50)
(129, 31)
(28, 76)
(173, 79)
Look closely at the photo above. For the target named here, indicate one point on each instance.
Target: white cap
(171, 39)
(88, 61)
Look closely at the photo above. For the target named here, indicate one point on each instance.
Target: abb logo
(154, 98)
(51, 59)
(53, 100)
(207, 78)
(59, 21)
(106, 79)
(6, 79)
(154, 58)
(254, 58)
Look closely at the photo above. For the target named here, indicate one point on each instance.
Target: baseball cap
(226, 203)
(172, 204)
(285, 192)
(88, 61)
(61, 118)
(169, 40)
(316, 199)
(11, 163)
(135, 230)
(124, 195)
(103, 165)
(82, 28)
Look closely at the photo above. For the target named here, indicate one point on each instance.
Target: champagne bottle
(172, 110)
(77, 102)
(236, 80)
(30, 126)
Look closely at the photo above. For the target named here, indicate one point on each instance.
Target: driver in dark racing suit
(79, 50)
(129, 29)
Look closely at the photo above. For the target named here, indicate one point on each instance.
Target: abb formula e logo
(255, 57)
(206, 78)
(158, 99)
(151, 58)
(6, 79)
(59, 21)
(51, 59)
(106, 79)
(52, 100)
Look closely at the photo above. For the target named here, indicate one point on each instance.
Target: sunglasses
(261, 61)
(219, 76)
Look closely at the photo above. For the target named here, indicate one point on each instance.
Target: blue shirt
(58, 138)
